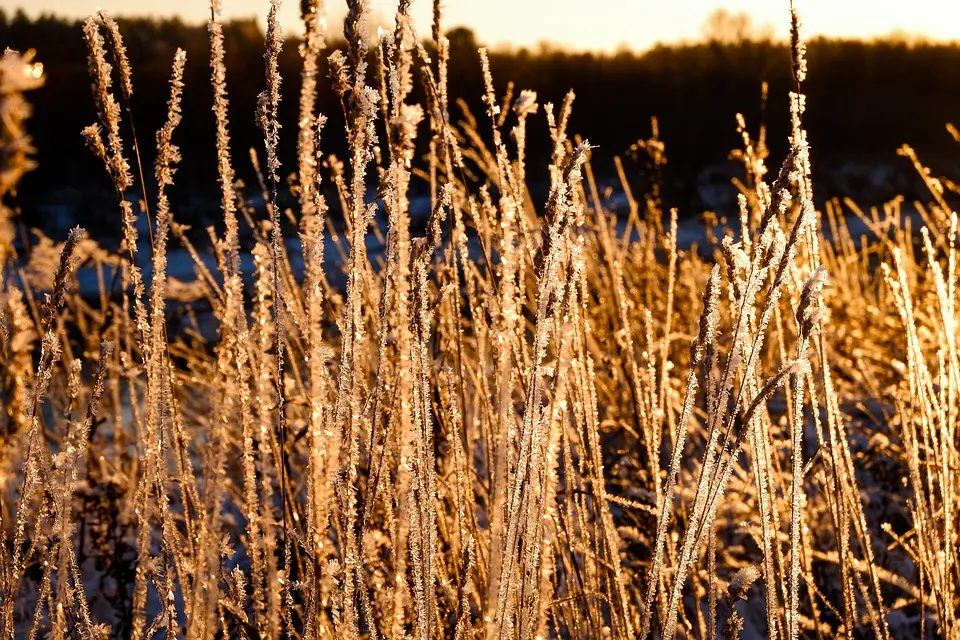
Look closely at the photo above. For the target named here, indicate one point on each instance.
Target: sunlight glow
(605, 25)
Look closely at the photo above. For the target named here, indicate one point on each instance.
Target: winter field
(394, 395)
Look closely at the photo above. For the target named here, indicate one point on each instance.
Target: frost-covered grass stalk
(524, 420)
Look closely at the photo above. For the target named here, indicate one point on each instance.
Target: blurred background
(879, 77)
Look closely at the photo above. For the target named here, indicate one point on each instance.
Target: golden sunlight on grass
(519, 419)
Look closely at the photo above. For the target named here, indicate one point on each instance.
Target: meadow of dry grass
(520, 420)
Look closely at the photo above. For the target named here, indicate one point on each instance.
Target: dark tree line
(865, 99)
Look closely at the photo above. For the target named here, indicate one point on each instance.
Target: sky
(604, 25)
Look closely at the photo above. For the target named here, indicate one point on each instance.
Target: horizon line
(764, 32)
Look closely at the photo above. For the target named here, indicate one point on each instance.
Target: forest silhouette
(866, 99)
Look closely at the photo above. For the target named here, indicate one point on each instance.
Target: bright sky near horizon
(580, 24)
